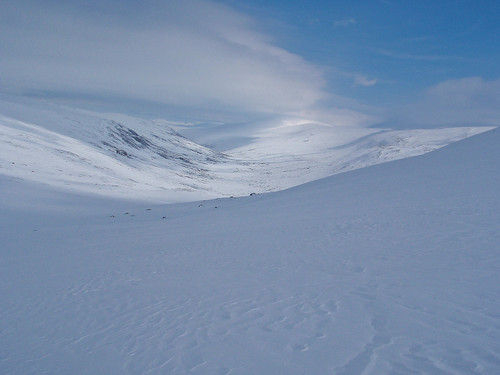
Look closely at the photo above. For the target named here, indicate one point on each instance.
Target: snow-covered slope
(113, 155)
(391, 269)
(296, 151)
(121, 156)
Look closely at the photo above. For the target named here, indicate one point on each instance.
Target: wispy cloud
(345, 22)
(409, 56)
(356, 79)
(181, 52)
(361, 80)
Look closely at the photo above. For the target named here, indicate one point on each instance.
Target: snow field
(387, 269)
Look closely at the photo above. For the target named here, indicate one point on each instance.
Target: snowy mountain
(390, 269)
(294, 151)
(113, 155)
(121, 156)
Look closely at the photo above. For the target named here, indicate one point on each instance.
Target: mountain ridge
(118, 155)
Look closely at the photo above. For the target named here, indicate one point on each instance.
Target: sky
(386, 62)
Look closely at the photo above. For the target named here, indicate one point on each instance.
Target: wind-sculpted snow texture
(391, 269)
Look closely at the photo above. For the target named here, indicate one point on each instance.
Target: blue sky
(403, 63)
(400, 46)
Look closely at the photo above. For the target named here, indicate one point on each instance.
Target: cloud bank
(466, 101)
(179, 52)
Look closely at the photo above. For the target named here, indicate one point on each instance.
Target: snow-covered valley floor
(114, 155)
(390, 269)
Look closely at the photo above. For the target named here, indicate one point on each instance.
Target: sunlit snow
(389, 269)
(120, 156)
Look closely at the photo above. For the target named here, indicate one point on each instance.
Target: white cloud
(181, 52)
(409, 56)
(471, 100)
(364, 81)
(346, 22)
(355, 78)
